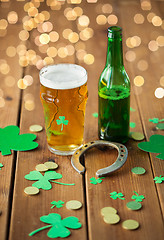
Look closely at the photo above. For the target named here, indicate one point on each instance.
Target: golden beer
(63, 93)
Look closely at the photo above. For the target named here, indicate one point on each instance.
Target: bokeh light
(21, 84)
(2, 102)
(28, 80)
(130, 56)
(10, 81)
(83, 21)
(107, 8)
(101, 19)
(146, 5)
(153, 46)
(156, 21)
(159, 92)
(54, 36)
(52, 52)
(89, 59)
(139, 18)
(73, 37)
(142, 65)
(3, 24)
(139, 81)
(150, 16)
(160, 41)
(12, 17)
(112, 19)
(11, 51)
(29, 105)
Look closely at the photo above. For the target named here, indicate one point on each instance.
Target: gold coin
(41, 168)
(31, 190)
(138, 136)
(108, 210)
(51, 165)
(130, 224)
(73, 205)
(112, 218)
(36, 128)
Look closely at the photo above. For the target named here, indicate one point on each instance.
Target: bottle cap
(114, 32)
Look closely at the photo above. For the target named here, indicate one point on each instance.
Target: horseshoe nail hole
(122, 150)
(91, 142)
(76, 153)
(122, 155)
(121, 146)
(86, 145)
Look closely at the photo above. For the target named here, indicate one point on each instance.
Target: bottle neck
(114, 53)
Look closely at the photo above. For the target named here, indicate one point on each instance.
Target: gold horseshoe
(121, 159)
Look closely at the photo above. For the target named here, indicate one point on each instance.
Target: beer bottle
(114, 92)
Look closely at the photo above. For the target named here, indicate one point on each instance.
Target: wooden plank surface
(27, 210)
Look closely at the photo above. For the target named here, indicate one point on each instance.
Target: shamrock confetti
(58, 226)
(62, 121)
(159, 179)
(95, 115)
(132, 124)
(132, 109)
(156, 120)
(58, 204)
(116, 195)
(1, 165)
(156, 145)
(43, 180)
(95, 181)
(138, 198)
(11, 140)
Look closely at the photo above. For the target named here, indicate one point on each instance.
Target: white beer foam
(63, 76)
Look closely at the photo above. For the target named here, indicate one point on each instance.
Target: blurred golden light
(130, 56)
(11, 51)
(28, 80)
(4, 68)
(162, 81)
(66, 32)
(48, 61)
(21, 84)
(21, 49)
(43, 48)
(150, 16)
(28, 96)
(70, 50)
(153, 46)
(107, 8)
(55, 5)
(23, 35)
(46, 15)
(160, 41)
(47, 26)
(34, 60)
(12, 17)
(39, 18)
(37, 41)
(73, 37)
(44, 38)
(9, 81)
(83, 21)
(159, 92)
(78, 11)
(30, 54)
(40, 64)
(146, 5)
(139, 18)
(162, 26)
(112, 19)
(52, 52)
(142, 65)
(128, 42)
(71, 15)
(2, 102)
(92, 1)
(89, 59)
(80, 45)
(135, 41)
(23, 61)
(32, 11)
(86, 34)
(62, 52)
(29, 24)
(54, 36)
(27, 6)
(157, 21)
(74, 1)
(101, 19)
(29, 105)
(3, 24)
(139, 81)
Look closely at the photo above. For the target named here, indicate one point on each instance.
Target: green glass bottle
(114, 92)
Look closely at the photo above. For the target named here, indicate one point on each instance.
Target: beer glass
(63, 93)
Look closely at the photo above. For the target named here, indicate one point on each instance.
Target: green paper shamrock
(62, 121)
(95, 181)
(58, 204)
(58, 226)
(159, 179)
(155, 145)
(43, 181)
(11, 140)
(116, 195)
(154, 120)
(95, 115)
(138, 198)
(1, 165)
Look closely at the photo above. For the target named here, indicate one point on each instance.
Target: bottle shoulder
(114, 76)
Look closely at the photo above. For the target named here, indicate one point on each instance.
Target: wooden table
(21, 213)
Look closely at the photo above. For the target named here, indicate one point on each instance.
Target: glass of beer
(63, 93)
